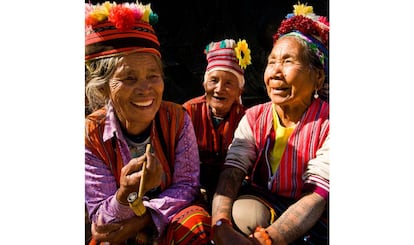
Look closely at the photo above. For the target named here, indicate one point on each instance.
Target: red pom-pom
(122, 17)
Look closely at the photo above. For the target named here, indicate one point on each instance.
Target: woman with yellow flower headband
(274, 187)
(141, 159)
(216, 114)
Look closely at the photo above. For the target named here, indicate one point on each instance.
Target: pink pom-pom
(324, 20)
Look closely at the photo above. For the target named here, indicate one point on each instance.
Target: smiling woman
(279, 157)
(215, 114)
(136, 89)
(124, 88)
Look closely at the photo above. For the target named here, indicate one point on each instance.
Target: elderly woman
(216, 114)
(278, 159)
(136, 194)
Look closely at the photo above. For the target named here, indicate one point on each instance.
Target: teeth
(143, 103)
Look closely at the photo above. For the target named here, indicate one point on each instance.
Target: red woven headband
(113, 28)
(105, 39)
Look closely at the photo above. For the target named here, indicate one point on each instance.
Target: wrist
(219, 224)
(136, 204)
(119, 199)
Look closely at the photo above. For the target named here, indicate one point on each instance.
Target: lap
(256, 207)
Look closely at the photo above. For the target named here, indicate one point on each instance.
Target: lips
(279, 90)
(143, 103)
(219, 98)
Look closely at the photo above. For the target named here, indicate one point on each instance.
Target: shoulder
(197, 100)
(171, 107)
(320, 109)
(254, 112)
(95, 119)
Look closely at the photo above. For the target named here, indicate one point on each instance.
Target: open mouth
(219, 98)
(143, 103)
(279, 89)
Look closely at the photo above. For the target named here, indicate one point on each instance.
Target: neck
(290, 116)
(218, 114)
(135, 128)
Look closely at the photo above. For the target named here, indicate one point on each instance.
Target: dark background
(184, 28)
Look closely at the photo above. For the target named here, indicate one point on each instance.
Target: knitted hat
(113, 28)
(226, 55)
(313, 29)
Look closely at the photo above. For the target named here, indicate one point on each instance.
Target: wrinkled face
(136, 89)
(222, 90)
(289, 80)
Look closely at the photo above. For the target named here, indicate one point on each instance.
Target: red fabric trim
(122, 50)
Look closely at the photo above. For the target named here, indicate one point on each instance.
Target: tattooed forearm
(228, 186)
(298, 218)
(230, 181)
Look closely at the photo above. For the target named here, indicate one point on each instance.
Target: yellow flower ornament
(243, 53)
(302, 9)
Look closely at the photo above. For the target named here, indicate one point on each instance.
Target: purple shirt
(100, 183)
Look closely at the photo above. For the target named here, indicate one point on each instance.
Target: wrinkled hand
(227, 235)
(260, 237)
(115, 233)
(106, 233)
(131, 175)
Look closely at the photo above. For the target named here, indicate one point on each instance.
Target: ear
(241, 91)
(320, 78)
(104, 90)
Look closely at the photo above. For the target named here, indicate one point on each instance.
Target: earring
(316, 95)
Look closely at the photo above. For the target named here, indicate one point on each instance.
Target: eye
(213, 80)
(153, 76)
(129, 80)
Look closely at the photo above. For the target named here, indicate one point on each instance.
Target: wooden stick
(144, 165)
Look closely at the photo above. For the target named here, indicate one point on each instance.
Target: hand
(225, 234)
(118, 232)
(260, 236)
(105, 233)
(154, 172)
(131, 175)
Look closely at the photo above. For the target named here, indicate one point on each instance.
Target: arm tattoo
(300, 217)
(228, 186)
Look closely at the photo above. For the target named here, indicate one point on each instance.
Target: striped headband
(227, 55)
(112, 29)
(315, 45)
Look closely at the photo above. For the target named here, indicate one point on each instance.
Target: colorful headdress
(112, 28)
(311, 28)
(227, 55)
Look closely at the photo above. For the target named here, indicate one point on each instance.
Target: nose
(275, 69)
(219, 86)
(142, 86)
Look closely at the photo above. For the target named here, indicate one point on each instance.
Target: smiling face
(289, 79)
(136, 89)
(222, 90)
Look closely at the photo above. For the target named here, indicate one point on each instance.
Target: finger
(107, 228)
(134, 165)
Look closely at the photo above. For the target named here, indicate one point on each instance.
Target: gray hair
(97, 77)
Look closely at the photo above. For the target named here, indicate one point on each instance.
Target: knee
(250, 212)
